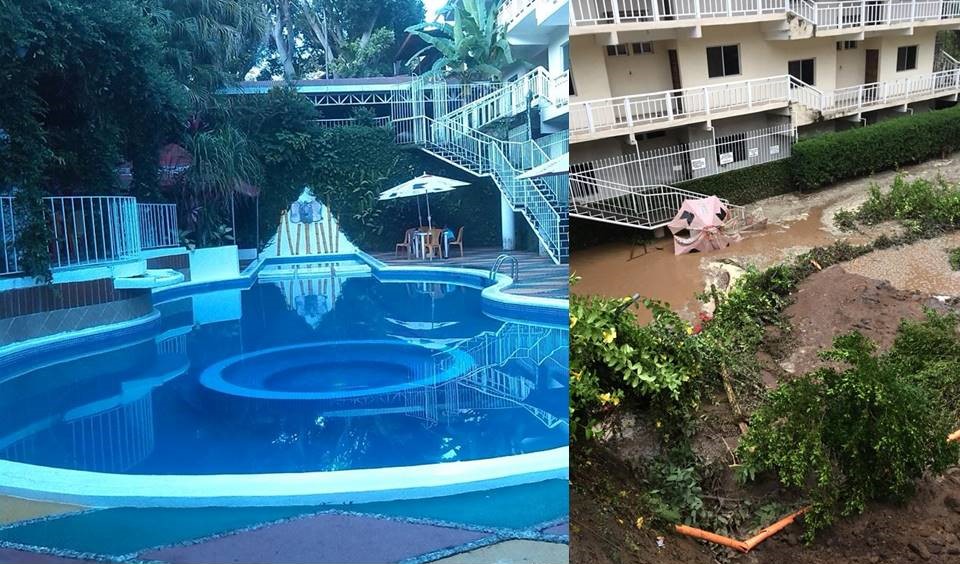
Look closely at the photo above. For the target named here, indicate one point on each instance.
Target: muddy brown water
(677, 279)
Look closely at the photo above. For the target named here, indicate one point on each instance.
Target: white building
(664, 91)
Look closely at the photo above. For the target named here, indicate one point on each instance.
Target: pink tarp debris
(699, 226)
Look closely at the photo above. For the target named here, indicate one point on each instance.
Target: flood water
(677, 279)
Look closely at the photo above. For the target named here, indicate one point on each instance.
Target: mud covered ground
(605, 495)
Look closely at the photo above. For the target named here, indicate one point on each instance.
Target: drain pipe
(746, 546)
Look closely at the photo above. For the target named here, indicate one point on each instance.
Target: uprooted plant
(866, 431)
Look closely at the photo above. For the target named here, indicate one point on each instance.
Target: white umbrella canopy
(424, 184)
(553, 167)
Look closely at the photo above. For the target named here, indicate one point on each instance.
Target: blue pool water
(316, 373)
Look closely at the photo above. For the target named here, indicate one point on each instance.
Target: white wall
(589, 69)
(924, 40)
(632, 74)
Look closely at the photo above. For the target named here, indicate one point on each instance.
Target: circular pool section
(334, 370)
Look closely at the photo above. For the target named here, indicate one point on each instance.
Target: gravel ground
(920, 267)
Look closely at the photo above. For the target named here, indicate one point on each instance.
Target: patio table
(421, 236)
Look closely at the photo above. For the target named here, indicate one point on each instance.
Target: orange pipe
(712, 537)
(954, 436)
(742, 546)
(768, 532)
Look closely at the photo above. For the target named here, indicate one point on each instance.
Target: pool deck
(301, 538)
(539, 276)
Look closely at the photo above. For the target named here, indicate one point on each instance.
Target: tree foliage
(473, 47)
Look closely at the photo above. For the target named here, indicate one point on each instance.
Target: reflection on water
(139, 408)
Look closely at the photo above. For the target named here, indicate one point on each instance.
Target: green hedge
(746, 185)
(825, 159)
(819, 161)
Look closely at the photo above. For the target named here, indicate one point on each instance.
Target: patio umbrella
(553, 167)
(425, 184)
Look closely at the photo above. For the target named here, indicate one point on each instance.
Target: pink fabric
(698, 226)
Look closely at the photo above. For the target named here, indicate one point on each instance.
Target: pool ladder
(514, 267)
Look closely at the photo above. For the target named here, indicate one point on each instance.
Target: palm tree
(474, 47)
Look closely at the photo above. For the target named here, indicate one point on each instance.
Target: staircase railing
(483, 154)
(509, 100)
(646, 207)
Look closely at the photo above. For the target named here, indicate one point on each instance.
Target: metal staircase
(473, 151)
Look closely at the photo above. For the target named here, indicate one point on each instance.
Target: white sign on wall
(697, 164)
(753, 152)
(774, 149)
(726, 158)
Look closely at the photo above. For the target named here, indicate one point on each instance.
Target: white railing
(601, 12)
(560, 89)
(945, 62)
(8, 237)
(626, 112)
(646, 207)
(503, 161)
(846, 14)
(680, 163)
(660, 108)
(379, 121)
(855, 99)
(513, 10)
(92, 229)
(509, 100)
(857, 13)
(158, 225)
(84, 230)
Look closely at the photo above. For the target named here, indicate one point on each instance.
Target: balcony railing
(661, 108)
(862, 97)
(601, 12)
(560, 89)
(627, 112)
(856, 13)
(512, 10)
(845, 14)
(87, 230)
(379, 121)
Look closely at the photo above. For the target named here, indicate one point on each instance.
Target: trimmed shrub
(832, 157)
(746, 185)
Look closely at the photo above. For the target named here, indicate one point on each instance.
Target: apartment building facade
(664, 91)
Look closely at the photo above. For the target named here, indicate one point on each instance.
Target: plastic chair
(458, 241)
(407, 243)
(432, 242)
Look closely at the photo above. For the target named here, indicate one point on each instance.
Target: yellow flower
(608, 398)
(689, 330)
(573, 321)
(659, 424)
(576, 375)
(639, 522)
(609, 335)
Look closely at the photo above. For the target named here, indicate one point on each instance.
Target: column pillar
(508, 226)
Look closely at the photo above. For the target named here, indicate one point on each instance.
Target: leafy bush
(926, 207)
(613, 357)
(861, 433)
(831, 157)
(953, 255)
(845, 220)
(746, 185)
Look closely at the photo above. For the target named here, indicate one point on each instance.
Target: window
(906, 58)
(570, 85)
(736, 144)
(723, 61)
(642, 48)
(847, 45)
(802, 69)
(617, 50)
(565, 53)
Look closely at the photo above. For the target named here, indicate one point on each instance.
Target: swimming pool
(339, 384)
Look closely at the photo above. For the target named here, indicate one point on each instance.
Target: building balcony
(826, 18)
(596, 119)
